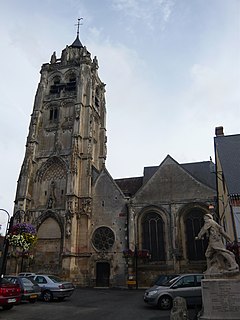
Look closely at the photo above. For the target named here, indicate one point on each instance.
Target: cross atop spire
(78, 25)
(77, 43)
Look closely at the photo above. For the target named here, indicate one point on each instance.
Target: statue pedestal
(221, 298)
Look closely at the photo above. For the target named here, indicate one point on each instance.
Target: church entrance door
(102, 274)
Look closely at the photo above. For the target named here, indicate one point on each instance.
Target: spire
(77, 43)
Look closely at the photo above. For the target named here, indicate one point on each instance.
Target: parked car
(53, 287)
(10, 294)
(30, 290)
(187, 286)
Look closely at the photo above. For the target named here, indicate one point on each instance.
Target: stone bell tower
(65, 149)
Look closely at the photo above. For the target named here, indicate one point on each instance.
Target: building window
(97, 98)
(103, 238)
(153, 236)
(53, 114)
(236, 213)
(56, 86)
(71, 84)
(194, 222)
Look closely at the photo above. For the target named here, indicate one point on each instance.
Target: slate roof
(76, 43)
(202, 171)
(129, 186)
(228, 149)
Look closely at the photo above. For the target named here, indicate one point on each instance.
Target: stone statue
(219, 259)
(179, 309)
(68, 217)
(53, 58)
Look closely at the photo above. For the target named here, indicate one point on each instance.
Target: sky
(171, 69)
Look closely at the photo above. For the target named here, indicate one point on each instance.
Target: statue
(53, 58)
(68, 217)
(179, 309)
(219, 259)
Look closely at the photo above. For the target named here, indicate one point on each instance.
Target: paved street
(91, 304)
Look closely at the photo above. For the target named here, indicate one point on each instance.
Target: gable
(109, 203)
(171, 182)
(105, 185)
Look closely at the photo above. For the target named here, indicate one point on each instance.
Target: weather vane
(78, 25)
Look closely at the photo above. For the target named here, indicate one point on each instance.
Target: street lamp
(6, 243)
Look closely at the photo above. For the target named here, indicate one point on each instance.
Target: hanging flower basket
(143, 254)
(128, 253)
(23, 236)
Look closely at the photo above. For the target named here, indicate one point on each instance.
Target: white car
(52, 287)
(26, 274)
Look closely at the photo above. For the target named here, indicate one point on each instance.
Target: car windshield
(27, 281)
(160, 281)
(55, 279)
(4, 281)
(12, 279)
(168, 283)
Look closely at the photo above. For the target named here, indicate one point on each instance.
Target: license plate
(11, 300)
(33, 296)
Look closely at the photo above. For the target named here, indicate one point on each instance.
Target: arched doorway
(102, 274)
(48, 248)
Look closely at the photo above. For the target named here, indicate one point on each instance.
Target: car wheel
(32, 300)
(7, 307)
(165, 303)
(47, 296)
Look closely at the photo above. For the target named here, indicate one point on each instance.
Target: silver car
(187, 286)
(53, 287)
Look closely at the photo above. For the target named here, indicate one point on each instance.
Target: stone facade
(86, 220)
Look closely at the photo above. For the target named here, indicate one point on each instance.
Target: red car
(10, 294)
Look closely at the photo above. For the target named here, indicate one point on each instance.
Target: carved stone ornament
(68, 223)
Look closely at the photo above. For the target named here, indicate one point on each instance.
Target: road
(91, 304)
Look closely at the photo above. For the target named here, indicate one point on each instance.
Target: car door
(198, 292)
(186, 287)
(41, 281)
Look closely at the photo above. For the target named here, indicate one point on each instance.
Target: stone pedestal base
(221, 299)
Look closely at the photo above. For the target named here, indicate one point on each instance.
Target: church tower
(65, 151)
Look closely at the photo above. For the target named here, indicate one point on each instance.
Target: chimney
(219, 131)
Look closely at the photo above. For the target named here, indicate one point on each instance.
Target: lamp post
(6, 243)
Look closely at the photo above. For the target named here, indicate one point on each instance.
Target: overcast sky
(171, 68)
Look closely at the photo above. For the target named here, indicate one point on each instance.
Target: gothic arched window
(53, 114)
(153, 236)
(56, 85)
(71, 84)
(193, 223)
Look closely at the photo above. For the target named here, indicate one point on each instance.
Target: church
(92, 229)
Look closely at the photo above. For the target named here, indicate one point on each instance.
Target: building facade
(93, 229)
(227, 153)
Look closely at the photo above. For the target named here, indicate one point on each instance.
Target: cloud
(213, 89)
(158, 11)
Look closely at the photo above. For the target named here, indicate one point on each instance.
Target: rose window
(103, 238)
